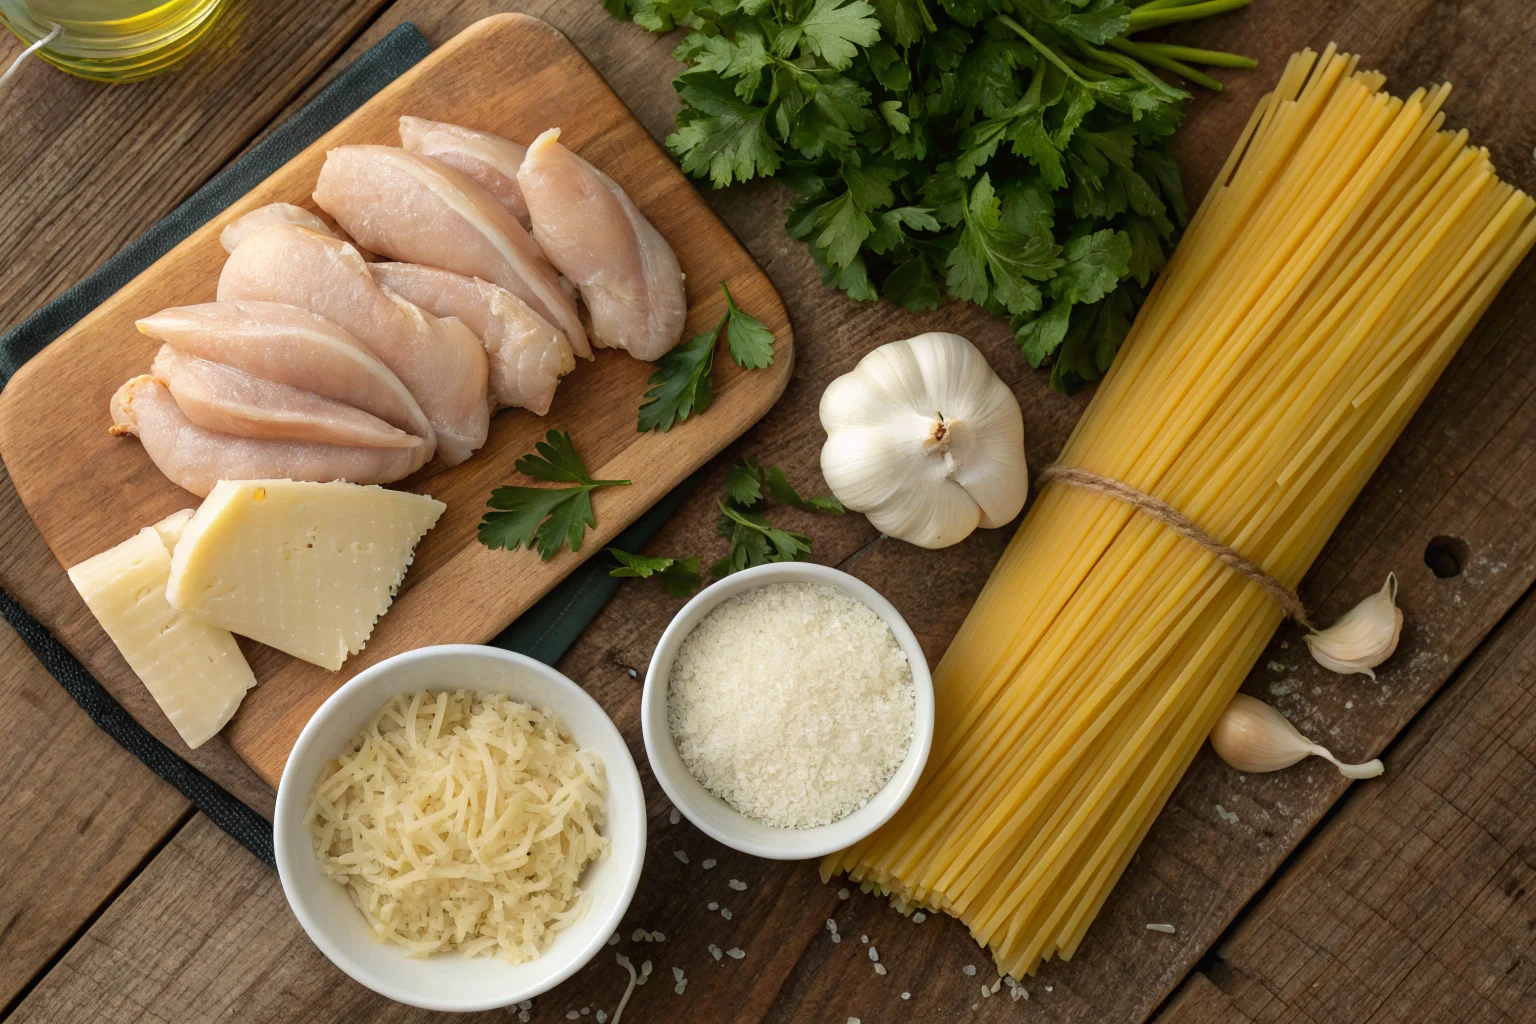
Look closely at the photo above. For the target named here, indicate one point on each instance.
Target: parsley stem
(1163, 5)
(1165, 61)
(1050, 54)
(1142, 18)
(1193, 55)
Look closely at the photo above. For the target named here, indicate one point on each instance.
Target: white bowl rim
(625, 775)
(799, 844)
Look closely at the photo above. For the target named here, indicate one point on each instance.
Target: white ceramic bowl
(718, 818)
(450, 981)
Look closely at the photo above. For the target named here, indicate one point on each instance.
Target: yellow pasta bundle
(1344, 253)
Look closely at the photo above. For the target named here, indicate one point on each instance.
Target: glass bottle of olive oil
(113, 40)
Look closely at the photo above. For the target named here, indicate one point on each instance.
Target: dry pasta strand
(1346, 250)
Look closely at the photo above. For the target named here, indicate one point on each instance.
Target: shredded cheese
(462, 821)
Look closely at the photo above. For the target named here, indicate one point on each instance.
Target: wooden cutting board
(510, 74)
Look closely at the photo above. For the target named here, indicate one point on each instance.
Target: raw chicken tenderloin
(232, 401)
(288, 345)
(417, 210)
(490, 161)
(528, 355)
(264, 216)
(441, 362)
(196, 458)
(595, 236)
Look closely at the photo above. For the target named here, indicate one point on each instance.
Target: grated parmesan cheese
(462, 821)
(793, 702)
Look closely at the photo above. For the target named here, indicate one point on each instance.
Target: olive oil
(113, 40)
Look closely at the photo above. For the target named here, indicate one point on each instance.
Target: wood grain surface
(1460, 481)
(53, 413)
(1417, 901)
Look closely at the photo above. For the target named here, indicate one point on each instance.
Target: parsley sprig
(753, 539)
(1013, 153)
(677, 576)
(546, 518)
(683, 384)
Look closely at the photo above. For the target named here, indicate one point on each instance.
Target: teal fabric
(546, 631)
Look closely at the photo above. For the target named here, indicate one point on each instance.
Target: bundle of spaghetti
(1339, 261)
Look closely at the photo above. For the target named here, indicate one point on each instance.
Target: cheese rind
(194, 670)
(306, 568)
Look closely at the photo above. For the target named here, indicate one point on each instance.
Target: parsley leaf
(747, 480)
(1012, 153)
(756, 541)
(546, 518)
(683, 383)
(677, 576)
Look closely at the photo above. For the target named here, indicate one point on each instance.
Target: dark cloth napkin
(545, 631)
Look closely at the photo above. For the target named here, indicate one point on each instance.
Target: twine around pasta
(1184, 526)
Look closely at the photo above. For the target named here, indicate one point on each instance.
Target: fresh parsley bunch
(1013, 153)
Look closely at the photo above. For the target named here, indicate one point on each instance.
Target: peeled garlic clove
(1251, 736)
(1365, 637)
(924, 439)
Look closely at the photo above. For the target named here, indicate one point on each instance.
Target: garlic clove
(1364, 637)
(1251, 736)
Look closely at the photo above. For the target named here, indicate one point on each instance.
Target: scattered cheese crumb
(864, 939)
(586, 1010)
(906, 995)
(1052, 988)
(713, 906)
(677, 974)
(880, 969)
(675, 817)
(640, 935)
(919, 917)
(600, 1016)
(573, 1015)
(613, 940)
(633, 674)
(680, 855)
(969, 970)
(678, 988)
(658, 937)
(738, 886)
(986, 993)
(709, 863)
(1349, 705)
(524, 1016)
(1166, 929)
(725, 912)
(736, 953)
(831, 925)
(715, 951)
(872, 954)
(836, 938)
(1225, 815)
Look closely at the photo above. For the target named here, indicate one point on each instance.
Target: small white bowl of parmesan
(788, 710)
(460, 828)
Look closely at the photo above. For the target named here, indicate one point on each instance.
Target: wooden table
(1409, 898)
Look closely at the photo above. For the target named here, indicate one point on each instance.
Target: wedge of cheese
(194, 670)
(307, 568)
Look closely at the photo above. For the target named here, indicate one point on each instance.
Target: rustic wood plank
(77, 816)
(1416, 902)
(1461, 471)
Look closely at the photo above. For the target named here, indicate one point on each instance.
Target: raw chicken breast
(419, 211)
(196, 458)
(441, 362)
(587, 226)
(490, 161)
(273, 213)
(288, 345)
(528, 356)
(232, 401)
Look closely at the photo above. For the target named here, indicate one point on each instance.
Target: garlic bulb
(926, 440)
(1251, 736)
(1364, 637)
